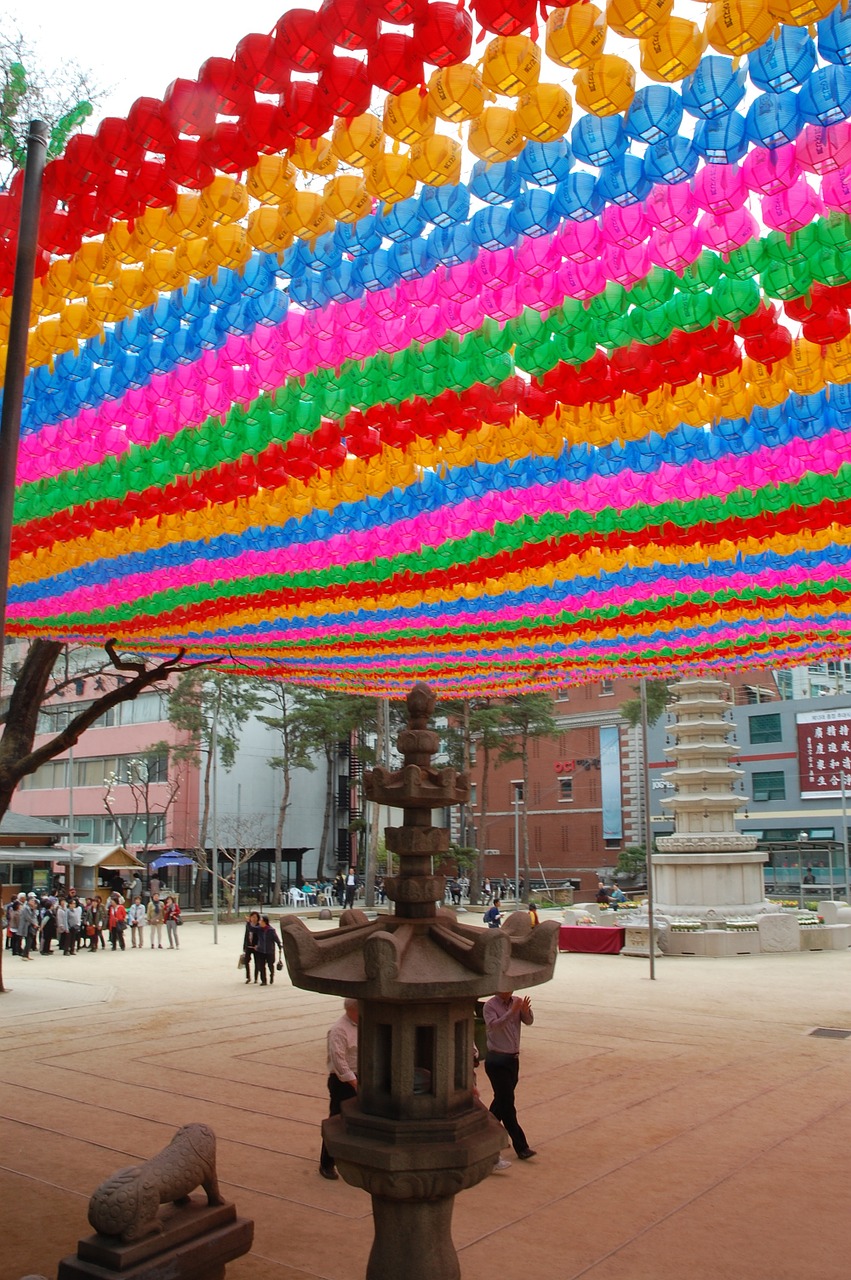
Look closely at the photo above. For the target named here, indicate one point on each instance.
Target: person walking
(75, 925)
(342, 1073)
(28, 925)
(266, 944)
(351, 887)
(156, 918)
(493, 915)
(249, 944)
(62, 936)
(136, 919)
(171, 915)
(116, 922)
(48, 926)
(504, 1014)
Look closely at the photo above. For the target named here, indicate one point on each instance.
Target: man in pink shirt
(342, 1072)
(504, 1014)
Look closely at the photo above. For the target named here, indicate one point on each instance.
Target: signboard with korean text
(824, 752)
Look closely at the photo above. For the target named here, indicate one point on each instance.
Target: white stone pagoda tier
(706, 865)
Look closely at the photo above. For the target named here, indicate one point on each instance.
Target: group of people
(74, 923)
(261, 947)
(610, 895)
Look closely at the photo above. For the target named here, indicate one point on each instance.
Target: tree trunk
(322, 869)
(525, 825)
(483, 809)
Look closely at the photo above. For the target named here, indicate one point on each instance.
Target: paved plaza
(689, 1126)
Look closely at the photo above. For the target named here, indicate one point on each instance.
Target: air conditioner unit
(491, 853)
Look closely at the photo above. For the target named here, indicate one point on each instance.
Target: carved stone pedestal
(197, 1242)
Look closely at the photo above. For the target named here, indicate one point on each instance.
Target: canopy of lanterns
(500, 346)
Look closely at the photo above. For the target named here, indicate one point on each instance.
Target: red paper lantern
(505, 17)
(185, 166)
(351, 24)
(151, 185)
(346, 87)
(149, 124)
(119, 148)
(443, 34)
(400, 11)
(85, 163)
(394, 64)
(191, 108)
(306, 109)
(303, 40)
(260, 65)
(227, 148)
(221, 77)
(266, 128)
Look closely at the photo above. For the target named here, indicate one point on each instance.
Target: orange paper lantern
(605, 87)
(544, 112)
(576, 36)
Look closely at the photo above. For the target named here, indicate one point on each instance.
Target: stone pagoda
(706, 869)
(415, 1135)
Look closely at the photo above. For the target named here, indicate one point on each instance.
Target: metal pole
(517, 844)
(16, 360)
(648, 834)
(214, 748)
(844, 830)
(70, 884)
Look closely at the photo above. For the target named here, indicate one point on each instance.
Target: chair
(297, 898)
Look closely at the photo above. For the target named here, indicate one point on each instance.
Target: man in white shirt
(504, 1015)
(342, 1073)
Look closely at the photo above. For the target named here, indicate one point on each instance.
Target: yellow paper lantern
(576, 36)
(346, 198)
(496, 135)
(389, 178)
(637, 18)
(605, 87)
(224, 200)
(803, 372)
(267, 230)
(735, 27)
(78, 322)
(511, 64)
(456, 93)
(195, 257)
(766, 385)
(544, 112)
(271, 178)
(187, 219)
(673, 51)
(104, 306)
(229, 245)
(314, 155)
(121, 243)
(133, 288)
(837, 361)
(436, 161)
(305, 215)
(93, 264)
(407, 117)
(357, 141)
(163, 271)
(800, 13)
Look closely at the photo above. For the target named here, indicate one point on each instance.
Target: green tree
(526, 716)
(208, 705)
(62, 96)
(632, 863)
(283, 716)
(657, 703)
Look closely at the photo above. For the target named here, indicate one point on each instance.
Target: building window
(565, 788)
(473, 786)
(765, 728)
(94, 771)
(563, 694)
(607, 688)
(770, 785)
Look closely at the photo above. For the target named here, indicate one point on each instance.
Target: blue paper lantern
(258, 275)
(377, 272)
(624, 182)
(723, 140)
(411, 259)
(599, 140)
(825, 98)
(655, 113)
(671, 160)
(453, 245)
(495, 183)
(545, 163)
(492, 228)
(577, 197)
(295, 261)
(359, 237)
(325, 251)
(343, 283)
(714, 88)
(783, 63)
(268, 308)
(402, 221)
(534, 213)
(205, 333)
(308, 290)
(445, 205)
(773, 119)
(834, 36)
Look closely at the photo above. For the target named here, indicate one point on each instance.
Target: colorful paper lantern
(443, 34)
(346, 198)
(511, 65)
(388, 178)
(345, 86)
(576, 35)
(394, 64)
(637, 18)
(736, 27)
(436, 161)
(407, 117)
(605, 87)
(783, 62)
(655, 113)
(505, 17)
(672, 51)
(303, 40)
(599, 140)
(544, 112)
(495, 135)
(456, 93)
(357, 141)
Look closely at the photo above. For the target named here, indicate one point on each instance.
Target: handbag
(279, 966)
(240, 964)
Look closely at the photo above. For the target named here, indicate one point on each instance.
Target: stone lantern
(415, 1135)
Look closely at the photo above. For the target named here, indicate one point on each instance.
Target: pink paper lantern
(625, 227)
(720, 188)
(580, 241)
(581, 280)
(539, 256)
(626, 266)
(821, 150)
(793, 209)
(675, 250)
(836, 189)
(725, 232)
(767, 172)
(671, 207)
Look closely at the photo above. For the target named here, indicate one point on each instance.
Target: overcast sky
(138, 52)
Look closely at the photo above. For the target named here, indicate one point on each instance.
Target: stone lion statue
(127, 1204)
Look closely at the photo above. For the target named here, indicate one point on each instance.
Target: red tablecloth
(600, 939)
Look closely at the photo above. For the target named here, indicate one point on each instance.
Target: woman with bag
(117, 922)
(249, 945)
(267, 944)
(171, 915)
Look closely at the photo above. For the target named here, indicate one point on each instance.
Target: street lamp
(518, 796)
